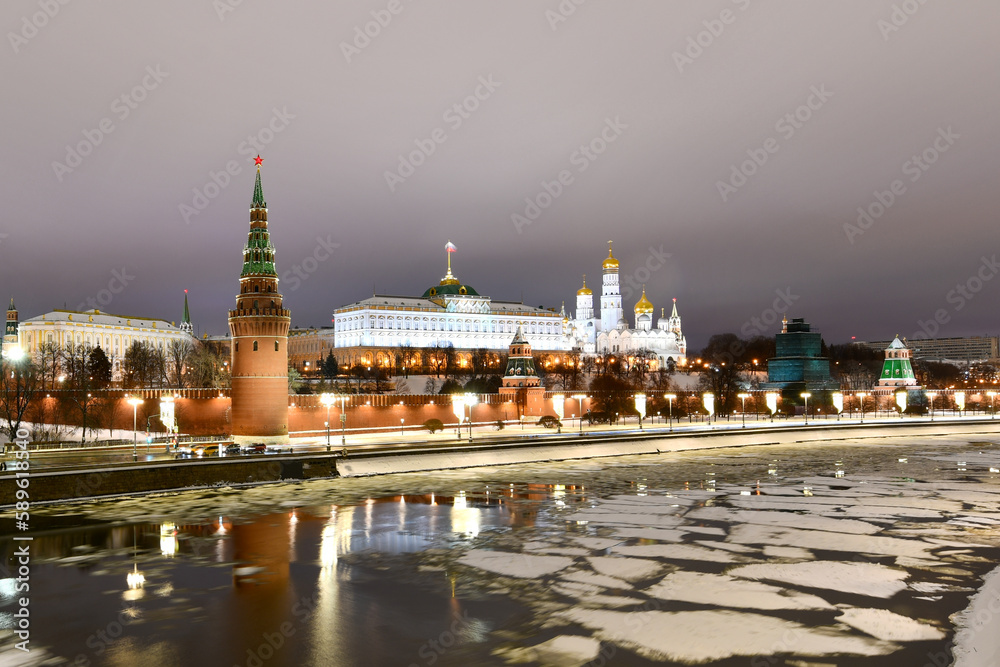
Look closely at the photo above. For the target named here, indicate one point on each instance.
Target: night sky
(736, 136)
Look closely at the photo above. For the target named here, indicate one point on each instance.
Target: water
(687, 558)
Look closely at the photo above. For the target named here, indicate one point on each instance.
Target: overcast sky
(670, 100)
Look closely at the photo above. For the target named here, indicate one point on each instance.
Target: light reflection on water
(349, 578)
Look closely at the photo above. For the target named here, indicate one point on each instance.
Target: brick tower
(521, 383)
(259, 329)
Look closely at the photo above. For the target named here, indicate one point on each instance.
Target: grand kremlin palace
(448, 315)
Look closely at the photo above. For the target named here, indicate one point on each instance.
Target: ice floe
(718, 590)
(978, 626)
(522, 566)
(629, 569)
(561, 651)
(680, 552)
(788, 519)
(884, 624)
(824, 540)
(868, 579)
(696, 637)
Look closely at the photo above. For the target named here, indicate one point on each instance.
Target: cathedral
(609, 332)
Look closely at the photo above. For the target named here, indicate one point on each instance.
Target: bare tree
(177, 354)
(49, 357)
(17, 387)
(80, 389)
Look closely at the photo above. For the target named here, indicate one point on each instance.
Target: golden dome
(610, 262)
(585, 291)
(644, 307)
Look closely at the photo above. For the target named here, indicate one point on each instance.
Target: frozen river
(847, 553)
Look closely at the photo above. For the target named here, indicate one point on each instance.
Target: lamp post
(743, 411)
(861, 402)
(327, 400)
(470, 400)
(640, 407)
(670, 407)
(135, 403)
(931, 395)
(343, 421)
(401, 427)
(806, 396)
(993, 409)
(579, 398)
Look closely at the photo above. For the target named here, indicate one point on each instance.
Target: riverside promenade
(66, 474)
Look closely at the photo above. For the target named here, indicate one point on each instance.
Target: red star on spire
(258, 160)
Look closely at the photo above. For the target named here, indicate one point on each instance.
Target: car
(232, 449)
(208, 450)
(255, 448)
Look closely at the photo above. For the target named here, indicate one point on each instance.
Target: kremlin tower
(259, 329)
(521, 383)
(10, 333)
(186, 325)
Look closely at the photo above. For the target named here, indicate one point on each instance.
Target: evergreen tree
(99, 369)
(331, 368)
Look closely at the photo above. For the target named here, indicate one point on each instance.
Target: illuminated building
(450, 314)
(611, 334)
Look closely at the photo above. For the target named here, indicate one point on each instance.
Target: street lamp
(861, 402)
(343, 421)
(993, 409)
(670, 406)
(135, 403)
(579, 398)
(327, 400)
(838, 403)
(806, 396)
(640, 407)
(743, 411)
(931, 395)
(470, 400)
(401, 427)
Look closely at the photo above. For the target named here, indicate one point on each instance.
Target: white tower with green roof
(897, 370)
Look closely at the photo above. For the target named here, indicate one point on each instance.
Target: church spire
(673, 313)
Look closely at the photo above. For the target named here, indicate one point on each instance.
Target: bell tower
(259, 330)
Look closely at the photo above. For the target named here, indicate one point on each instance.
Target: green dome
(440, 290)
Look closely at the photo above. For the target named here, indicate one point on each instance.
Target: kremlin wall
(208, 412)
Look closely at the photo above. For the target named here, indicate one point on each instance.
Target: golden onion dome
(644, 307)
(610, 262)
(585, 291)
